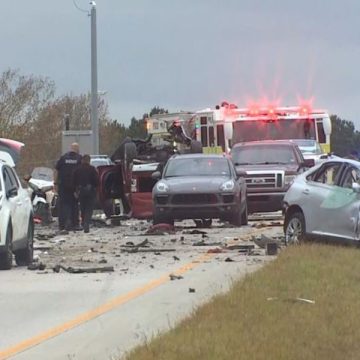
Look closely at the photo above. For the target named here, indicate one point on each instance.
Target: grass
(243, 324)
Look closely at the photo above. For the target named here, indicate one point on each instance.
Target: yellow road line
(92, 314)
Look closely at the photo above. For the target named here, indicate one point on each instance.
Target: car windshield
(197, 167)
(263, 154)
(100, 162)
(308, 146)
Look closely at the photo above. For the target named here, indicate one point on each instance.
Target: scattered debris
(204, 243)
(78, 270)
(136, 250)
(161, 229)
(215, 251)
(103, 261)
(175, 277)
(271, 248)
(263, 240)
(176, 258)
(242, 248)
(191, 290)
(229, 260)
(298, 299)
(36, 266)
(195, 232)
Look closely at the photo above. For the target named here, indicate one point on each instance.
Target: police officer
(68, 205)
(85, 181)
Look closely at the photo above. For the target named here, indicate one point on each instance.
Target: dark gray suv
(199, 186)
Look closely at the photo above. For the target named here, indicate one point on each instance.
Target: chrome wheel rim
(294, 231)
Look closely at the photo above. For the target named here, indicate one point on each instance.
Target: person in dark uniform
(85, 182)
(68, 205)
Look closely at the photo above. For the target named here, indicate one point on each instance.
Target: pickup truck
(269, 167)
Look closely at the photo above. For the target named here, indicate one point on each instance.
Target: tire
(244, 216)
(24, 257)
(295, 229)
(6, 256)
(236, 218)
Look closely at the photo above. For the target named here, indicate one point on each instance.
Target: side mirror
(12, 192)
(308, 163)
(156, 175)
(356, 187)
(325, 156)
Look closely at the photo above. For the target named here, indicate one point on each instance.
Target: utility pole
(94, 85)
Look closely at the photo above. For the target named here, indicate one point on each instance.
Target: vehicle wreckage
(129, 178)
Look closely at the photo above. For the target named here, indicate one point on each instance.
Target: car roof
(266, 142)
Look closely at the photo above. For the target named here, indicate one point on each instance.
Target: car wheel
(295, 229)
(6, 256)
(244, 216)
(236, 218)
(24, 257)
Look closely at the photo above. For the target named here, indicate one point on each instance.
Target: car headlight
(162, 187)
(228, 185)
(289, 179)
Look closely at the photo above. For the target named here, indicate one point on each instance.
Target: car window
(328, 174)
(352, 175)
(7, 180)
(197, 167)
(263, 154)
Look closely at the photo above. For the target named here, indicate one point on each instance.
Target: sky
(191, 54)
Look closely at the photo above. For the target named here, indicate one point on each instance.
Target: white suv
(16, 217)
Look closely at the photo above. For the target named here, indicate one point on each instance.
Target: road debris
(298, 299)
(36, 266)
(194, 232)
(229, 260)
(175, 277)
(78, 270)
(161, 229)
(137, 250)
(176, 258)
(271, 248)
(191, 290)
(215, 251)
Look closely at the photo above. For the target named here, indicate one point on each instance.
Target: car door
(320, 194)
(13, 201)
(347, 221)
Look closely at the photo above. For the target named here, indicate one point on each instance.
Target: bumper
(267, 202)
(197, 212)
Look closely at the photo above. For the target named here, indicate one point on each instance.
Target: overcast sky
(192, 54)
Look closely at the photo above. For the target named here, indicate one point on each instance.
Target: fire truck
(219, 128)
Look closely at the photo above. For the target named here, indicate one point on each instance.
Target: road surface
(49, 315)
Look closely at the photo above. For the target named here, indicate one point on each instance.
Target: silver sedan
(324, 202)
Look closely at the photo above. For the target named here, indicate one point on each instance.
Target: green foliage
(344, 137)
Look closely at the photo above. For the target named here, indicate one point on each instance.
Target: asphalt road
(48, 315)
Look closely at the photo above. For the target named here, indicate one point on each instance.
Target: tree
(344, 137)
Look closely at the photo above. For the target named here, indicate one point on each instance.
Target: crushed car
(324, 203)
(199, 186)
(129, 179)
